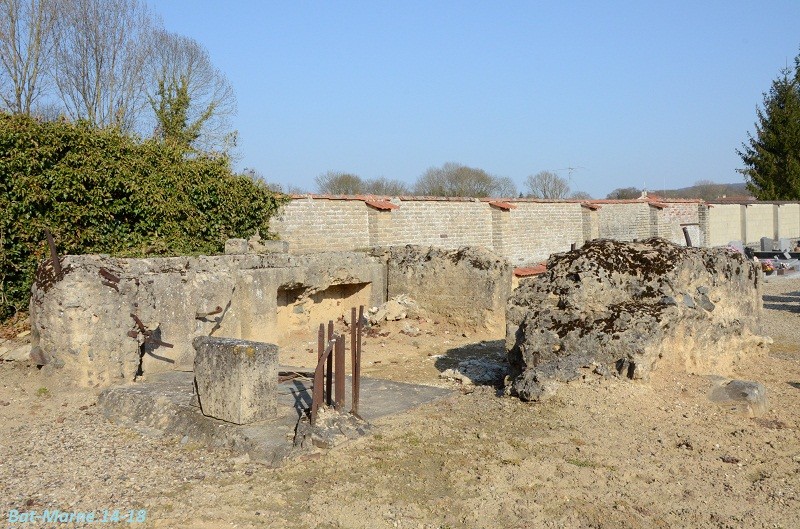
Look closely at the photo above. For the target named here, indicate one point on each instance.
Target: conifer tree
(772, 156)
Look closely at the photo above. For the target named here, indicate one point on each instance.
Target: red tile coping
(505, 206)
(383, 205)
(527, 271)
(502, 203)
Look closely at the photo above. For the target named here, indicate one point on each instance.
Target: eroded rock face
(623, 308)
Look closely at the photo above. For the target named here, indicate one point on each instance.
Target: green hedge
(101, 191)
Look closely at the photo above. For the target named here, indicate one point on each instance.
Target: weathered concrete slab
(86, 323)
(236, 379)
(163, 406)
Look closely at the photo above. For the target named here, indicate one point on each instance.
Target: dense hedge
(101, 191)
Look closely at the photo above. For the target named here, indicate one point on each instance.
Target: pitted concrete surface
(164, 405)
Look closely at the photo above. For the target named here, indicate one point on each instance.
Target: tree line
(111, 63)
(450, 180)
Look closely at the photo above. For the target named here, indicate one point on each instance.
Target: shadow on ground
(788, 302)
(491, 354)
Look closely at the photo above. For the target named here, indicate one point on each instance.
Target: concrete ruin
(624, 308)
(107, 320)
(468, 286)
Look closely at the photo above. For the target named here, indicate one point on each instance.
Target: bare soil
(601, 454)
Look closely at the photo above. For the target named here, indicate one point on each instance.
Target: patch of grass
(583, 463)
(43, 392)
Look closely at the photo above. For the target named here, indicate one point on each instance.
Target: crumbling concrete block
(236, 380)
(85, 323)
(627, 307)
(468, 286)
(236, 246)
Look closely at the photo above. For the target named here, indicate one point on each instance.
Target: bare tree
(337, 183)
(386, 186)
(101, 54)
(580, 195)
(624, 193)
(456, 180)
(26, 40)
(505, 188)
(181, 62)
(547, 184)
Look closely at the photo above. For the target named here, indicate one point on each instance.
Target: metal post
(53, 254)
(686, 236)
(316, 391)
(329, 369)
(354, 324)
(339, 372)
(357, 364)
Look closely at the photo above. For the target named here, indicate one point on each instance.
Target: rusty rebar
(353, 347)
(339, 372)
(316, 389)
(329, 369)
(355, 397)
(53, 254)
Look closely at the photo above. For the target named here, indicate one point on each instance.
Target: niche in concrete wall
(301, 309)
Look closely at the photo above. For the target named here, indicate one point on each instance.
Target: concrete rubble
(626, 308)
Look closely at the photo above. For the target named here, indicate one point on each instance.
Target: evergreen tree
(772, 157)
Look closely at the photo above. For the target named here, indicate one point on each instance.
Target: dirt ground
(602, 454)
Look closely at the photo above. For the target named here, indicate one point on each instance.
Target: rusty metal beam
(329, 368)
(53, 254)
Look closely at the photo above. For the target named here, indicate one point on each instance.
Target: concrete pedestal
(236, 380)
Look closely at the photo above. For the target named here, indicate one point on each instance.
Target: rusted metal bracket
(53, 254)
(204, 315)
(147, 333)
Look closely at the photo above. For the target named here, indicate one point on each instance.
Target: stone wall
(525, 231)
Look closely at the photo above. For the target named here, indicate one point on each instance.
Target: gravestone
(784, 245)
(236, 380)
(767, 244)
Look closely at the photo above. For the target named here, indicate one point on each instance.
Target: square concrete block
(236, 380)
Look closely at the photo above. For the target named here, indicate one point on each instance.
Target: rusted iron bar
(355, 397)
(53, 253)
(140, 325)
(110, 285)
(353, 346)
(203, 315)
(108, 276)
(317, 390)
(329, 369)
(339, 373)
(687, 237)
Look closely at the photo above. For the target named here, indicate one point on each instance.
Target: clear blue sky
(633, 93)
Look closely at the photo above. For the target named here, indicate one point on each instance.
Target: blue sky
(630, 93)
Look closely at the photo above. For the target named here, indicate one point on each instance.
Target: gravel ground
(601, 454)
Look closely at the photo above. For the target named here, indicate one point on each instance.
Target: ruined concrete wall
(108, 319)
(627, 307)
(468, 286)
